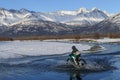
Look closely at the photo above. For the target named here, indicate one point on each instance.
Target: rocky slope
(110, 25)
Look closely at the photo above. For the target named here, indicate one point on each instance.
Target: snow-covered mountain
(35, 28)
(110, 25)
(24, 22)
(82, 17)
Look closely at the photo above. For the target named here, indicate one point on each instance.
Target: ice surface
(15, 49)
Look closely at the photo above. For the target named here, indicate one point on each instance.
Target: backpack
(77, 52)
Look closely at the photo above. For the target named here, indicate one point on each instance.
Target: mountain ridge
(29, 23)
(83, 15)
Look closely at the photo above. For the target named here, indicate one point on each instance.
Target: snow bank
(14, 49)
(104, 40)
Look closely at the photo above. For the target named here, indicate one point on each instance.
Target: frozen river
(36, 60)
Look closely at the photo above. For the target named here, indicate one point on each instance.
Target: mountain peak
(83, 10)
(24, 10)
(94, 9)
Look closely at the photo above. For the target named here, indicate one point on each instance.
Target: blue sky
(111, 6)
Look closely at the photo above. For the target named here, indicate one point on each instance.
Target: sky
(111, 6)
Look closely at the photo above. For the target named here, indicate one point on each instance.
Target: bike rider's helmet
(73, 47)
